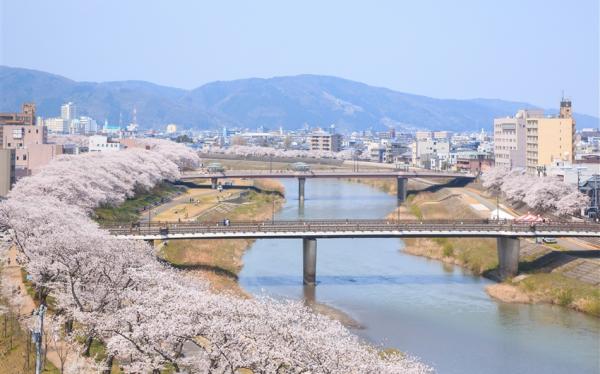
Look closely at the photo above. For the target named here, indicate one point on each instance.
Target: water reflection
(359, 280)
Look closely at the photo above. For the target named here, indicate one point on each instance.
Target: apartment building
(510, 139)
(20, 131)
(550, 139)
(324, 141)
(26, 117)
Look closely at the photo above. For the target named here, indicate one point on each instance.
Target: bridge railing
(309, 226)
(325, 172)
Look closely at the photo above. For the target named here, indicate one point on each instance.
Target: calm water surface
(420, 306)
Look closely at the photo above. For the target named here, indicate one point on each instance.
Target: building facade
(100, 143)
(68, 111)
(429, 152)
(26, 117)
(56, 125)
(7, 170)
(550, 139)
(20, 131)
(510, 139)
(324, 141)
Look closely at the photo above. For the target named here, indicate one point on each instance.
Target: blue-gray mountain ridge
(290, 102)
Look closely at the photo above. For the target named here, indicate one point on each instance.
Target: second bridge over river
(401, 176)
(507, 233)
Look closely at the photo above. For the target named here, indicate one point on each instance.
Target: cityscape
(279, 221)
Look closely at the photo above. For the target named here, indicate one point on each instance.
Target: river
(432, 310)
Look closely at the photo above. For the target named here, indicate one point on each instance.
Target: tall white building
(68, 111)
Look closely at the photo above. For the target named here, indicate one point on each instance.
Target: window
(24, 157)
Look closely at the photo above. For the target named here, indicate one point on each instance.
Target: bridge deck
(352, 229)
(322, 174)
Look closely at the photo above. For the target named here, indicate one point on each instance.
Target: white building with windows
(88, 125)
(427, 151)
(68, 111)
(101, 143)
(56, 125)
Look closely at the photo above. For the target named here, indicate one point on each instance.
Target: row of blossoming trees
(258, 151)
(148, 315)
(541, 194)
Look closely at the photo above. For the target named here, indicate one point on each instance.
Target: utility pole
(38, 333)
(273, 209)
(497, 207)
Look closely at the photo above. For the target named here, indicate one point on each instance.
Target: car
(549, 240)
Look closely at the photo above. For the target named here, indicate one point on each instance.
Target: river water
(435, 311)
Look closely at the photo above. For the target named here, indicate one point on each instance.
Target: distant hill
(290, 102)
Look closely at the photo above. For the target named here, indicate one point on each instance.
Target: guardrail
(341, 226)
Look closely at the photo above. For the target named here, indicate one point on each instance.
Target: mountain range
(290, 102)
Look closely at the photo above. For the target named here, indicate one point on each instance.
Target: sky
(521, 50)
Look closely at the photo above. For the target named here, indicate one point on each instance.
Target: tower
(565, 108)
(134, 120)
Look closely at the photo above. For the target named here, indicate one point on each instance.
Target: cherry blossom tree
(541, 194)
(150, 316)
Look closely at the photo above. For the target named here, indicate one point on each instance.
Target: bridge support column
(508, 256)
(301, 183)
(309, 251)
(402, 189)
(213, 183)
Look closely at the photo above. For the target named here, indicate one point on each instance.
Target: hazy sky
(525, 50)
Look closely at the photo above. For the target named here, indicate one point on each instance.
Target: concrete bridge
(507, 233)
(401, 176)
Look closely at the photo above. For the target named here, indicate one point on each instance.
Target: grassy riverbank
(479, 255)
(129, 210)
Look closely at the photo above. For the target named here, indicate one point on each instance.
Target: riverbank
(541, 281)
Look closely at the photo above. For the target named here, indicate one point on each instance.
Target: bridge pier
(402, 189)
(301, 183)
(213, 183)
(508, 256)
(309, 254)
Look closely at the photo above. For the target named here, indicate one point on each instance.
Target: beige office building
(550, 139)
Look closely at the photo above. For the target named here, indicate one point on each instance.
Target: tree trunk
(87, 345)
(109, 364)
(69, 326)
